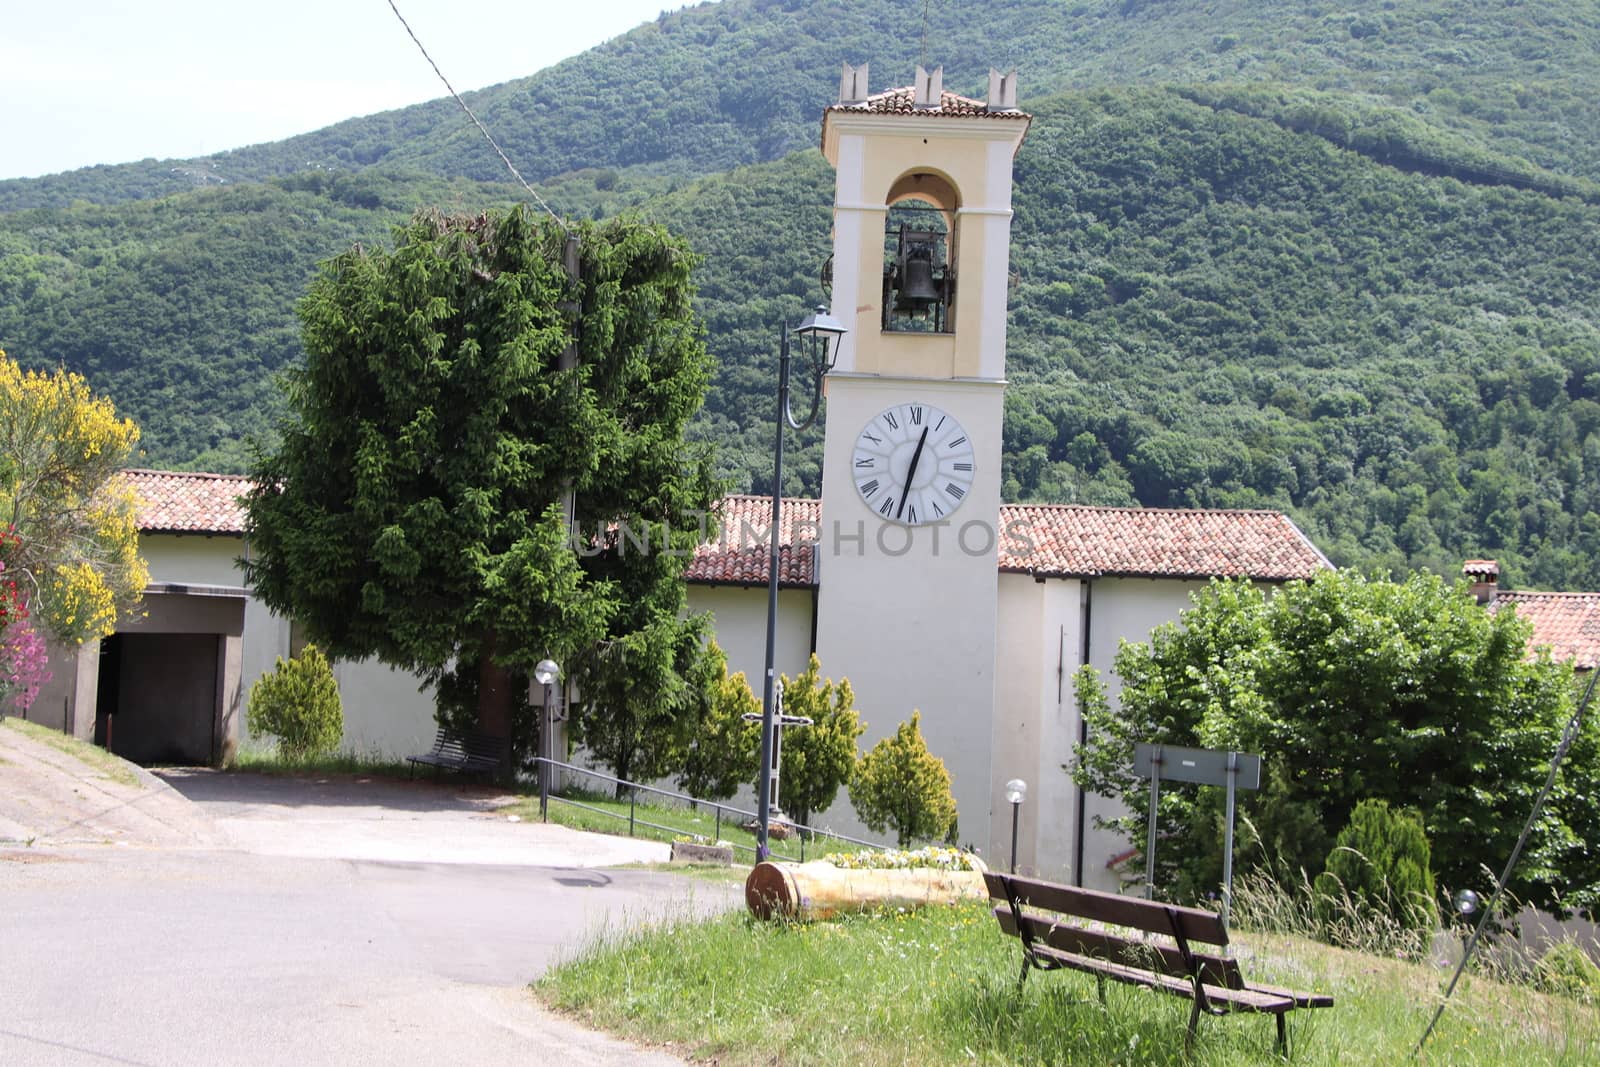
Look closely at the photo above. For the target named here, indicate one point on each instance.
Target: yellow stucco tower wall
(907, 611)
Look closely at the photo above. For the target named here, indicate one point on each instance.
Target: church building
(909, 576)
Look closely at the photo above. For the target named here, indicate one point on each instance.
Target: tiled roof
(179, 502)
(1069, 540)
(741, 552)
(1049, 540)
(903, 101)
(1566, 623)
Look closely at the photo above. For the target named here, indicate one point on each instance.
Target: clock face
(912, 464)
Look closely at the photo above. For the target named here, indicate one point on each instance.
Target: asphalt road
(337, 922)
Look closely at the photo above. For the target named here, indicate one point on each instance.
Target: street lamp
(1016, 789)
(820, 333)
(547, 672)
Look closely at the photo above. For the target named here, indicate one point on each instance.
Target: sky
(101, 81)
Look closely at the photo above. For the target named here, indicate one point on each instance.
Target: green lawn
(937, 987)
(663, 820)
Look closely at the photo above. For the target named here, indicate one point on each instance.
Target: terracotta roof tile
(741, 552)
(902, 101)
(1068, 540)
(180, 502)
(1566, 623)
(1054, 540)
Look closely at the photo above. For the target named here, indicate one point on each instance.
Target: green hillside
(721, 85)
(1343, 264)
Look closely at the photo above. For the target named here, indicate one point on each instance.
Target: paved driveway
(337, 922)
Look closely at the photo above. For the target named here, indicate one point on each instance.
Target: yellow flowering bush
(62, 450)
(83, 604)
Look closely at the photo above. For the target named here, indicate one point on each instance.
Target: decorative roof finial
(1002, 91)
(853, 84)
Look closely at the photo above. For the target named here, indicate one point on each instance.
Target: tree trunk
(496, 696)
(818, 890)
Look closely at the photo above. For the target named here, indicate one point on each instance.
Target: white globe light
(1016, 789)
(546, 672)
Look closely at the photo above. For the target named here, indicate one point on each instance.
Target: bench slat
(1229, 1000)
(1064, 926)
(473, 752)
(1065, 936)
(1091, 904)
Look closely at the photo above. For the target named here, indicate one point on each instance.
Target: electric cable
(487, 136)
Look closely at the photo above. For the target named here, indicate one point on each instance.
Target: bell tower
(908, 550)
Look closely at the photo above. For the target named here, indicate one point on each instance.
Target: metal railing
(633, 820)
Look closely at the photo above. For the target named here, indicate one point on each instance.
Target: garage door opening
(158, 697)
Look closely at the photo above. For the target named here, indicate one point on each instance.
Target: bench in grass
(1140, 942)
(470, 753)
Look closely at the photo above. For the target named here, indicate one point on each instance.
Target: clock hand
(911, 470)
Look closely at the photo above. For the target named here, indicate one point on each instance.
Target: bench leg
(1194, 1021)
(1283, 1036)
(1023, 977)
(1100, 987)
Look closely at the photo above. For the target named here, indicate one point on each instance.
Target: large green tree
(414, 510)
(1352, 689)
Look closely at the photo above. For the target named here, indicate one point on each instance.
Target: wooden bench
(470, 753)
(1064, 926)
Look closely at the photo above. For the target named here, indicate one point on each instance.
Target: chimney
(1484, 574)
(930, 89)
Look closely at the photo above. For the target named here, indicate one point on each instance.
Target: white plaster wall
(910, 620)
(1121, 608)
(385, 715)
(740, 626)
(193, 559)
(1019, 714)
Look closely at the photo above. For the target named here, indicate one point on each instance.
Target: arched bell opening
(919, 270)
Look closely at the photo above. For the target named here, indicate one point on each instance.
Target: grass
(95, 757)
(679, 819)
(937, 987)
(269, 762)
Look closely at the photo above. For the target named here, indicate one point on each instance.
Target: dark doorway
(157, 700)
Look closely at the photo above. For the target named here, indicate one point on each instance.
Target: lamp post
(546, 673)
(1016, 789)
(819, 333)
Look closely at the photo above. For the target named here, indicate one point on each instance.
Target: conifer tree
(414, 509)
(1379, 864)
(901, 785)
(816, 759)
(723, 749)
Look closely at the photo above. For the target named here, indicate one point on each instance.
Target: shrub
(724, 751)
(1378, 867)
(819, 758)
(1566, 969)
(298, 703)
(901, 784)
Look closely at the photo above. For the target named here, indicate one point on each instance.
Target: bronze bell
(916, 289)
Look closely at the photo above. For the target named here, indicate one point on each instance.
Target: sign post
(1202, 766)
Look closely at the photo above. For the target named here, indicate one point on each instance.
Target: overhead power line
(487, 136)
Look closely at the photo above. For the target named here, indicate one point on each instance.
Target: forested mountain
(1341, 262)
(742, 81)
